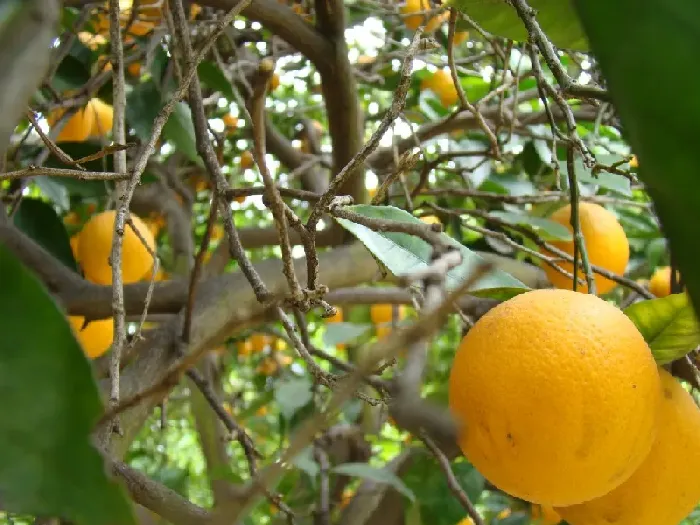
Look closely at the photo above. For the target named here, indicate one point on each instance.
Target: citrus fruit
(383, 313)
(606, 245)
(95, 248)
(665, 488)
(96, 337)
(274, 81)
(430, 219)
(559, 396)
(230, 121)
(134, 69)
(74, 243)
(442, 85)
(76, 129)
(244, 347)
(413, 21)
(247, 160)
(460, 37)
(103, 117)
(258, 342)
(337, 318)
(660, 282)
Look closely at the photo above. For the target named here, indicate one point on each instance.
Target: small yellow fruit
(274, 81)
(606, 244)
(634, 163)
(103, 117)
(262, 411)
(230, 121)
(430, 219)
(134, 69)
(95, 248)
(260, 342)
(71, 219)
(665, 488)
(91, 41)
(383, 313)
(383, 331)
(660, 282)
(460, 37)
(217, 232)
(442, 85)
(244, 347)
(545, 515)
(466, 521)
(96, 337)
(78, 127)
(413, 21)
(337, 318)
(195, 10)
(555, 385)
(247, 160)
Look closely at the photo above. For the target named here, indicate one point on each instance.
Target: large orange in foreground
(606, 244)
(665, 488)
(558, 394)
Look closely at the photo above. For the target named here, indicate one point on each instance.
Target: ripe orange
(274, 81)
(244, 347)
(559, 394)
(413, 21)
(134, 69)
(247, 160)
(337, 318)
(634, 163)
(96, 337)
(91, 41)
(461, 37)
(606, 244)
(74, 243)
(441, 84)
(383, 313)
(430, 219)
(665, 488)
(78, 127)
(660, 282)
(103, 117)
(95, 248)
(230, 121)
(259, 342)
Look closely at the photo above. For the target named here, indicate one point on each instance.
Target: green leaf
(556, 17)
(339, 333)
(53, 190)
(547, 229)
(668, 324)
(212, 77)
(625, 37)
(48, 466)
(379, 475)
(71, 74)
(180, 130)
(142, 107)
(39, 221)
(603, 179)
(305, 461)
(402, 253)
(292, 394)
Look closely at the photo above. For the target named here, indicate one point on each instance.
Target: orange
(606, 245)
(262, 411)
(74, 240)
(91, 41)
(430, 219)
(413, 21)
(259, 342)
(466, 521)
(559, 394)
(96, 337)
(383, 313)
(95, 248)
(247, 160)
(660, 282)
(134, 69)
(634, 163)
(442, 85)
(240, 199)
(78, 127)
(103, 117)
(230, 121)
(337, 318)
(274, 81)
(460, 37)
(383, 331)
(244, 347)
(665, 488)
(217, 232)
(545, 515)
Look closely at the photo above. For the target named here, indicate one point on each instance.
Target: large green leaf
(659, 115)
(47, 465)
(39, 221)
(340, 333)
(380, 475)
(556, 17)
(668, 324)
(402, 253)
(546, 228)
(180, 130)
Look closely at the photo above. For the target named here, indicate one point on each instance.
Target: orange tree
(241, 240)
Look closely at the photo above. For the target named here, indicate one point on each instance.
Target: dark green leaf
(609, 181)
(47, 465)
(556, 17)
(39, 221)
(142, 106)
(339, 333)
(625, 38)
(71, 74)
(402, 253)
(547, 229)
(212, 77)
(53, 190)
(380, 475)
(668, 324)
(180, 130)
(292, 394)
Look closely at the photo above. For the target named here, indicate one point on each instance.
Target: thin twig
(33, 171)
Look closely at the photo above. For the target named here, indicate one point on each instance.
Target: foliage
(493, 205)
